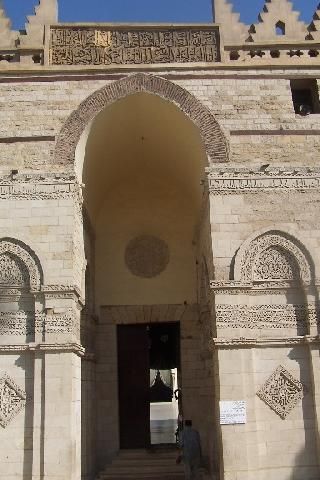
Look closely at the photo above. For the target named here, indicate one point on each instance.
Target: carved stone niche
(19, 266)
(20, 278)
(272, 256)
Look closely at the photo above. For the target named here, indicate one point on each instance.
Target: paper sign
(232, 413)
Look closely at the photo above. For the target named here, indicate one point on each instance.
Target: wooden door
(134, 385)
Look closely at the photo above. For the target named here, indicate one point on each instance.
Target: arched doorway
(147, 237)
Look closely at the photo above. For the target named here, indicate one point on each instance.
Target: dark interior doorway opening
(149, 380)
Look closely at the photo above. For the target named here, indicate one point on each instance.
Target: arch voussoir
(213, 138)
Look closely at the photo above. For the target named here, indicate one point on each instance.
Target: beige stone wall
(267, 445)
(235, 217)
(46, 226)
(39, 109)
(52, 227)
(16, 456)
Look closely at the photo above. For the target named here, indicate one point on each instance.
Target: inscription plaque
(111, 45)
(232, 413)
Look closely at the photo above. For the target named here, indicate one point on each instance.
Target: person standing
(191, 450)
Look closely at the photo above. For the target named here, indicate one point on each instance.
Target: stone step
(172, 452)
(145, 469)
(148, 468)
(145, 461)
(134, 477)
(153, 464)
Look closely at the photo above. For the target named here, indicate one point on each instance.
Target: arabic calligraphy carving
(12, 400)
(266, 317)
(281, 392)
(109, 46)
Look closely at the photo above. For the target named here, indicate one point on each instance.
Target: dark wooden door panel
(134, 383)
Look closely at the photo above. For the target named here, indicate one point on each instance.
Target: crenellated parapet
(233, 30)
(277, 22)
(8, 37)
(26, 46)
(314, 27)
(279, 37)
(45, 13)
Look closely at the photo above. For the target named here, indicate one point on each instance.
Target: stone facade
(222, 237)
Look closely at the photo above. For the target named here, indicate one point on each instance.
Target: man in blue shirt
(191, 450)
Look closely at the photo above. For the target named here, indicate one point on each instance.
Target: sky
(145, 10)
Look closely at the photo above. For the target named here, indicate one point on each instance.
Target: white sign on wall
(232, 413)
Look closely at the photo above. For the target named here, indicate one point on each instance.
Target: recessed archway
(143, 166)
(142, 161)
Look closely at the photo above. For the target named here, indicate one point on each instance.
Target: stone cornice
(44, 347)
(62, 291)
(220, 71)
(234, 180)
(39, 187)
(234, 287)
(245, 342)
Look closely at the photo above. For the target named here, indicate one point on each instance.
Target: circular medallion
(147, 256)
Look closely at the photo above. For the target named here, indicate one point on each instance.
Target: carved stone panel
(266, 317)
(275, 263)
(13, 272)
(110, 45)
(281, 392)
(12, 400)
(147, 256)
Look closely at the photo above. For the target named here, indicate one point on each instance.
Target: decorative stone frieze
(38, 187)
(115, 45)
(12, 400)
(43, 347)
(274, 287)
(281, 392)
(27, 323)
(263, 317)
(147, 256)
(20, 323)
(244, 180)
(62, 292)
(252, 342)
(66, 323)
(292, 53)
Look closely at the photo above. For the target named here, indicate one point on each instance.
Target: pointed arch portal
(213, 138)
(142, 145)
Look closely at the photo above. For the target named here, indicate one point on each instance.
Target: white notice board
(232, 413)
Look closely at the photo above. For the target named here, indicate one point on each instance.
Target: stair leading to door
(154, 464)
